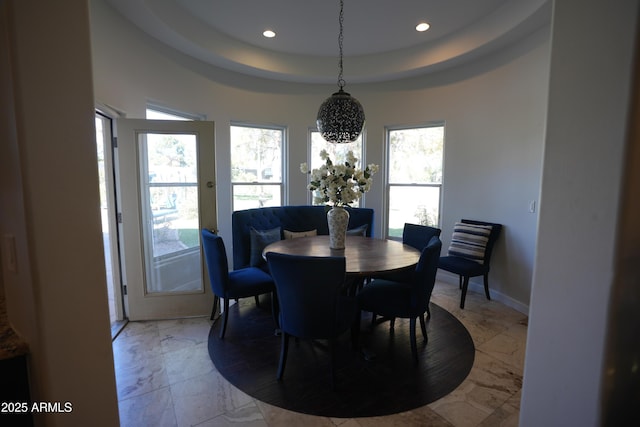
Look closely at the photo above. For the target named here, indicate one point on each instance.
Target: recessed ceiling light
(269, 34)
(423, 26)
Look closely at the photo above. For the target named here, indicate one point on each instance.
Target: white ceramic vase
(338, 220)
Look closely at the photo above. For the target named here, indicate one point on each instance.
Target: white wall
(494, 111)
(588, 103)
(56, 297)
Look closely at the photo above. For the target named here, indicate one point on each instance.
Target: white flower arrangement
(339, 184)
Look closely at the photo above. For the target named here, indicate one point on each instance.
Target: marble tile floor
(165, 376)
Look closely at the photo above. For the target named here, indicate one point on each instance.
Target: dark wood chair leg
(373, 319)
(284, 349)
(392, 323)
(465, 285)
(257, 298)
(486, 286)
(225, 317)
(424, 328)
(275, 309)
(412, 335)
(216, 298)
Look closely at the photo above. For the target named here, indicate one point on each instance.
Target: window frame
(259, 182)
(387, 173)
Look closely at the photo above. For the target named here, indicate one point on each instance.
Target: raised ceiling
(380, 40)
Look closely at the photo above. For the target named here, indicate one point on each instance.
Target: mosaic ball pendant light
(340, 117)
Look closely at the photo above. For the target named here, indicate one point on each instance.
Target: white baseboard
(478, 286)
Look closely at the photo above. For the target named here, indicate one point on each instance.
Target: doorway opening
(108, 211)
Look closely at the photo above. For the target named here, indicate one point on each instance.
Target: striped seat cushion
(469, 241)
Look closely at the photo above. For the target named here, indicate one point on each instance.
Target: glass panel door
(168, 194)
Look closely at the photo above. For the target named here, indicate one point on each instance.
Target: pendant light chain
(341, 81)
(340, 117)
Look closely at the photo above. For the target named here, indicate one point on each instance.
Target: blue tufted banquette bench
(288, 219)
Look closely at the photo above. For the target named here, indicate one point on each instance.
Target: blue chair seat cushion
(462, 266)
(249, 281)
(389, 298)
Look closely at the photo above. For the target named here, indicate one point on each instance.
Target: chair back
(424, 277)
(216, 260)
(308, 290)
(418, 236)
(493, 236)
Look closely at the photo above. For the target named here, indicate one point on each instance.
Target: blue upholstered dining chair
(406, 299)
(470, 251)
(242, 283)
(311, 302)
(418, 237)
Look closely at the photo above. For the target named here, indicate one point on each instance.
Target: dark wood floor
(389, 383)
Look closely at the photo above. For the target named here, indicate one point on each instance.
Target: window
(256, 166)
(414, 177)
(337, 152)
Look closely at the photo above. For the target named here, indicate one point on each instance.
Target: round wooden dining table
(365, 256)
